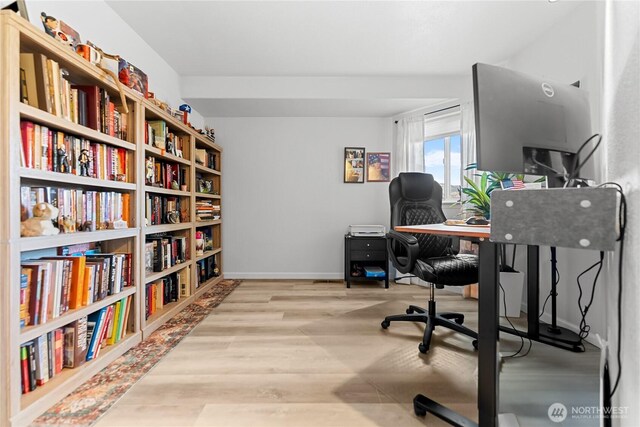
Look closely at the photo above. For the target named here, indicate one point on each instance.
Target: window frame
(447, 197)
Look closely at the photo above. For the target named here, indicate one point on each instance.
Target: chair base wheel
(475, 344)
(423, 348)
(409, 311)
(385, 324)
(459, 321)
(420, 412)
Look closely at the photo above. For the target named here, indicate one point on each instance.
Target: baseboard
(546, 318)
(284, 276)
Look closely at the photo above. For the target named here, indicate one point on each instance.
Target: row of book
(164, 174)
(157, 134)
(46, 86)
(167, 290)
(206, 269)
(162, 252)
(72, 345)
(165, 209)
(207, 158)
(50, 150)
(51, 286)
(79, 210)
(206, 210)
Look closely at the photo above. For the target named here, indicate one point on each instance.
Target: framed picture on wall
(354, 165)
(378, 167)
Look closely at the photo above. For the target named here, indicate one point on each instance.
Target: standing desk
(488, 310)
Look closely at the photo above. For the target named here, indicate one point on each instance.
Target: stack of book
(164, 174)
(206, 158)
(48, 87)
(46, 149)
(72, 345)
(79, 210)
(206, 269)
(162, 252)
(207, 211)
(157, 134)
(167, 290)
(54, 285)
(158, 208)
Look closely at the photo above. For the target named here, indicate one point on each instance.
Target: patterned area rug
(88, 402)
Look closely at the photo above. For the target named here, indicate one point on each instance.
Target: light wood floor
(313, 354)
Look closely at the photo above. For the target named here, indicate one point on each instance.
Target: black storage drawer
(368, 255)
(362, 254)
(368, 244)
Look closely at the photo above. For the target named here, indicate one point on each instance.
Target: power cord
(517, 354)
(575, 168)
(622, 218)
(556, 279)
(584, 327)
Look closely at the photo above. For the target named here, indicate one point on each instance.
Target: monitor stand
(553, 334)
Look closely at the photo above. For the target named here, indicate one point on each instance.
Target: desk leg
(533, 291)
(488, 335)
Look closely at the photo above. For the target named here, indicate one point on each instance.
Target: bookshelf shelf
(67, 178)
(44, 242)
(160, 190)
(164, 228)
(32, 332)
(156, 113)
(160, 274)
(208, 196)
(208, 223)
(203, 141)
(207, 254)
(205, 169)
(204, 287)
(158, 318)
(43, 397)
(162, 154)
(43, 117)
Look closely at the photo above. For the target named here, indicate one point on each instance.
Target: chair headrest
(416, 186)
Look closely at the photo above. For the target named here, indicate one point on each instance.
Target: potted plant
(478, 202)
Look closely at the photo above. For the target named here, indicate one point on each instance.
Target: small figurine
(68, 225)
(40, 224)
(186, 109)
(63, 162)
(83, 161)
(174, 185)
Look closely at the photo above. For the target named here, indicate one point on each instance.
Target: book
(75, 343)
(24, 368)
(95, 323)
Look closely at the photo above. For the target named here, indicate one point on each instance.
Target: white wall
(285, 207)
(569, 51)
(97, 22)
(622, 133)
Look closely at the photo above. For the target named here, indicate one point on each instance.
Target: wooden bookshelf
(19, 36)
(196, 140)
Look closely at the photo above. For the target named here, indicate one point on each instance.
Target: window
(443, 152)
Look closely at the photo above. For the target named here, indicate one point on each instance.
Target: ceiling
(336, 38)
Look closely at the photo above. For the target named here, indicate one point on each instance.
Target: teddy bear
(40, 224)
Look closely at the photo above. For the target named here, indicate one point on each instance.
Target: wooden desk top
(481, 232)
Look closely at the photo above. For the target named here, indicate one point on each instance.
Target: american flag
(517, 184)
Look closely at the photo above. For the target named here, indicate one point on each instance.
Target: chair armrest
(409, 243)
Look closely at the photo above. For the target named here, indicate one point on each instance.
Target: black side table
(361, 252)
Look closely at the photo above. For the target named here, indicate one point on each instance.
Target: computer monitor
(526, 124)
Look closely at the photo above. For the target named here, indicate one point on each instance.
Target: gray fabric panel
(567, 218)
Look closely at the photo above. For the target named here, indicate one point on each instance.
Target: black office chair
(417, 199)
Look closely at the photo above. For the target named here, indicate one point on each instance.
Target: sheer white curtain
(468, 135)
(408, 146)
